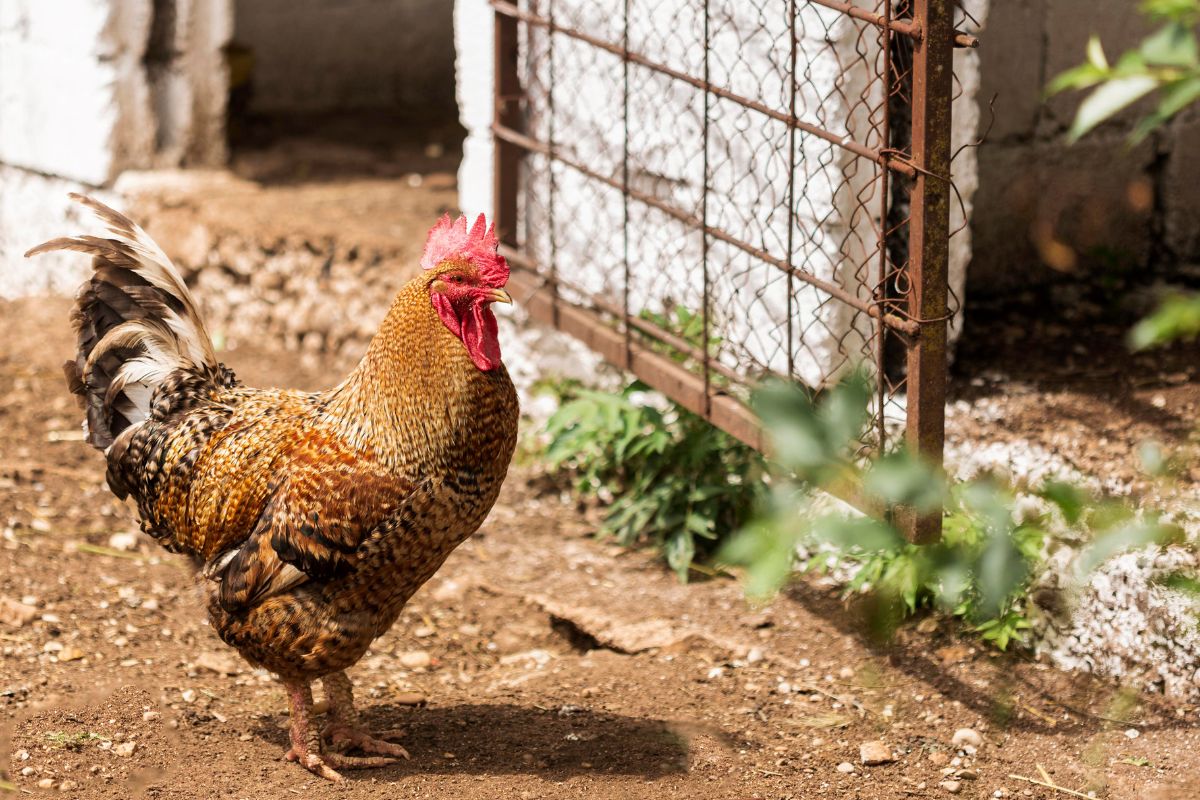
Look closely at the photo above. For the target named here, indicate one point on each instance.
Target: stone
(953, 787)
(416, 659)
(874, 753)
(966, 736)
(15, 614)
(845, 767)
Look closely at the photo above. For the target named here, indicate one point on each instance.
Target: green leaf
(864, 534)
(1107, 100)
(901, 478)
(766, 551)
(1095, 53)
(1083, 76)
(1000, 572)
(844, 410)
(679, 550)
(1132, 535)
(1181, 582)
(1177, 318)
(1070, 499)
(1183, 11)
(1173, 45)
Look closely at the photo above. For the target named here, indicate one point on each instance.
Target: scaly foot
(344, 729)
(342, 737)
(323, 764)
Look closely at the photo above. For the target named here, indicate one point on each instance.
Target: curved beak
(499, 296)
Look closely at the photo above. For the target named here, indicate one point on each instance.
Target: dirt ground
(539, 662)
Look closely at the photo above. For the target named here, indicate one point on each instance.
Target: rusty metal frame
(918, 317)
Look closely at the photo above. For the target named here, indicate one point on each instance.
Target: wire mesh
(721, 190)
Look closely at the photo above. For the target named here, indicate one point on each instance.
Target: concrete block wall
(1046, 211)
(323, 55)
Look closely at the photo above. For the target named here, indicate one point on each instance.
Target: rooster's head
(465, 276)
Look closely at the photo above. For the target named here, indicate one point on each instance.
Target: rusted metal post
(507, 114)
(929, 243)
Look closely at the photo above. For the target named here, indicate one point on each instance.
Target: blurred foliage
(982, 568)
(669, 477)
(1167, 63)
(1178, 317)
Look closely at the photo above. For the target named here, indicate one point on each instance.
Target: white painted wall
(79, 105)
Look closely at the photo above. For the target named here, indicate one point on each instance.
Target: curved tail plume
(136, 323)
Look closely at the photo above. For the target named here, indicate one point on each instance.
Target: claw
(314, 764)
(342, 738)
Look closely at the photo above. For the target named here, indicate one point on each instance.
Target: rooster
(312, 517)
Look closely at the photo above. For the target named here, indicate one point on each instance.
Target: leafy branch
(1167, 63)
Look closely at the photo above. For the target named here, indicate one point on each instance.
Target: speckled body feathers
(314, 516)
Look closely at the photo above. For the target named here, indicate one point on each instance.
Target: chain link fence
(709, 192)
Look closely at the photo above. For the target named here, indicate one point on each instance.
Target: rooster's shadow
(505, 739)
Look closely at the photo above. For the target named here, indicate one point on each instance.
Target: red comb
(451, 241)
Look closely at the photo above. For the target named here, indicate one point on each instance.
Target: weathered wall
(322, 55)
(1046, 210)
(88, 89)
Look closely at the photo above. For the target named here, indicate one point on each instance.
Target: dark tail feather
(136, 324)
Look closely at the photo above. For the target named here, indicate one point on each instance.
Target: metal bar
(551, 217)
(906, 326)
(929, 243)
(885, 38)
(630, 322)
(906, 27)
(791, 191)
(891, 162)
(625, 177)
(706, 300)
(507, 113)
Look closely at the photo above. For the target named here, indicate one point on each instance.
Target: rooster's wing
(326, 503)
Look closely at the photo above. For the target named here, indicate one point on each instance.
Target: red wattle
(476, 328)
(481, 336)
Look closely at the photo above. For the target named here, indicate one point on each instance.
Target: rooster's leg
(345, 730)
(306, 741)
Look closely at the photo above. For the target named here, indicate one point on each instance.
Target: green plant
(669, 477)
(982, 568)
(1166, 62)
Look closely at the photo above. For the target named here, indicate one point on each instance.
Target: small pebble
(188, 695)
(27, 771)
(953, 787)
(409, 698)
(416, 659)
(966, 736)
(67, 786)
(1132, 733)
(124, 749)
(938, 758)
(46, 783)
(845, 767)
(150, 716)
(423, 631)
(70, 654)
(875, 753)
